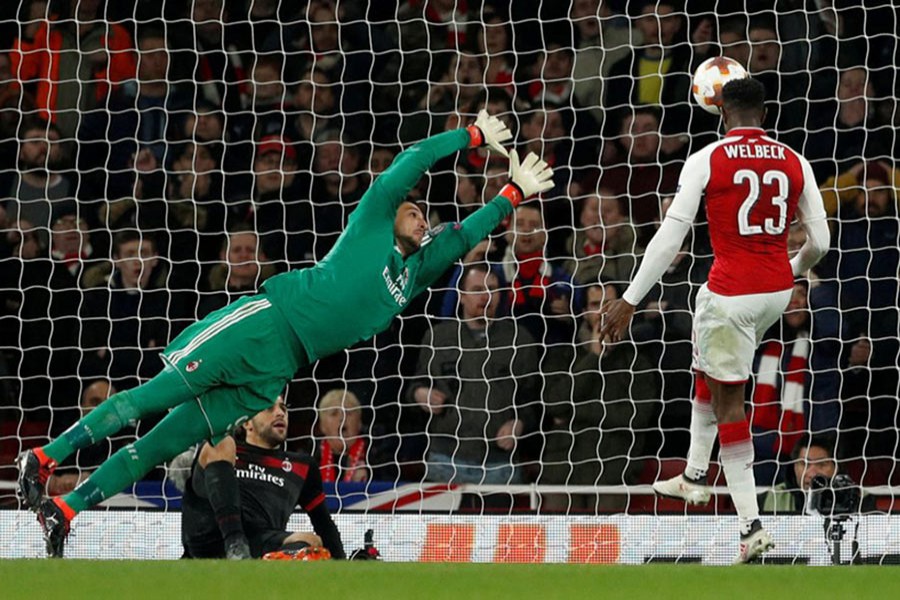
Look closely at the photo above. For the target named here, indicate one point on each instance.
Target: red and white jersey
(753, 186)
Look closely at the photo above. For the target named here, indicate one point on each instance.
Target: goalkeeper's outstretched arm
(391, 188)
(447, 244)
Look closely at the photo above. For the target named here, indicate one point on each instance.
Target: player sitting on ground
(753, 186)
(227, 367)
(271, 483)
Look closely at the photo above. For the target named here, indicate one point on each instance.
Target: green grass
(257, 580)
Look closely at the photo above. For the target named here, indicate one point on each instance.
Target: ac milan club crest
(192, 366)
(287, 466)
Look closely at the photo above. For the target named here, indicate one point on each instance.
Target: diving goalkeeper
(229, 366)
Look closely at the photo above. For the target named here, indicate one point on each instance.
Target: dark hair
(736, 25)
(742, 95)
(826, 441)
(481, 267)
(130, 235)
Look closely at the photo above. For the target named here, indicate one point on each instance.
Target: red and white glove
(531, 176)
(489, 131)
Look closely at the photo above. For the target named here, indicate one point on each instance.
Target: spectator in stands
(493, 42)
(644, 174)
(841, 192)
(315, 102)
(41, 312)
(864, 259)
(216, 65)
(70, 244)
(550, 81)
(338, 185)
(137, 117)
(75, 60)
(339, 39)
(38, 191)
(129, 312)
(455, 89)
(849, 130)
(277, 208)
(542, 294)
(268, 99)
(242, 267)
(603, 246)
(812, 455)
(733, 40)
(342, 449)
(194, 202)
(380, 159)
(601, 398)
(476, 379)
(787, 92)
(658, 72)
(781, 388)
(604, 38)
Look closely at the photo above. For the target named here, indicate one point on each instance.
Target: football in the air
(709, 79)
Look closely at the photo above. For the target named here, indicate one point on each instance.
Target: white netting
(173, 123)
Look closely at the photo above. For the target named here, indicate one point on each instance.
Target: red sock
(65, 508)
(48, 465)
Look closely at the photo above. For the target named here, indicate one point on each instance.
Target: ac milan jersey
(752, 186)
(271, 482)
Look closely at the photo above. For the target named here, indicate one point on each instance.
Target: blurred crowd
(159, 160)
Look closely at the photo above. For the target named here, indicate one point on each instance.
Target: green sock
(182, 428)
(164, 391)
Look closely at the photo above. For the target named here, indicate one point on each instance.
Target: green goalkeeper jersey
(364, 282)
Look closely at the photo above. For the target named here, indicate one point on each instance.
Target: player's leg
(691, 486)
(220, 487)
(164, 391)
(737, 456)
(186, 425)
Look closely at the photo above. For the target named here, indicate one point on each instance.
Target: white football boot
(754, 544)
(683, 489)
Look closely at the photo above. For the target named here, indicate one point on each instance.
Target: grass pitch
(252, 580)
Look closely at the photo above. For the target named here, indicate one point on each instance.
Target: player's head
(743, 103)
(813, 455)
(410, 226)
(340, 418)
(268, 428)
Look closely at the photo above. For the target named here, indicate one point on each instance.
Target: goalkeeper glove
(368, 551)
(531, 176)
(489, 131)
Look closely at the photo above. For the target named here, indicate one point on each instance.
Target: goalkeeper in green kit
(229, 366)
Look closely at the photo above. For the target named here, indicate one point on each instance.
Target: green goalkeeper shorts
(246, 347)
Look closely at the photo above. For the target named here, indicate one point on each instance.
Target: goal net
(161, 160)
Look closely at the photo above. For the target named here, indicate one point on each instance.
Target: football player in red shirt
(753, 187)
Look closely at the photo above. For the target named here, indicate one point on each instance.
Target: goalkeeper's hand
(531, 176)
(491, 131)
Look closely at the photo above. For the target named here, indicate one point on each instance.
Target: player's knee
(303, 538)
(224, 450)
(125, 406)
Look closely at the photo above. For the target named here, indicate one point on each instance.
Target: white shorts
(728, 329)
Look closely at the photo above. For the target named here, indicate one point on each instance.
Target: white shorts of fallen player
(728, 329)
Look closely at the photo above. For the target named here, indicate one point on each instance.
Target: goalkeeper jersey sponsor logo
(397, 287)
